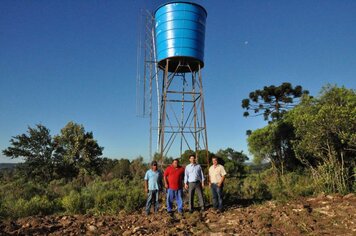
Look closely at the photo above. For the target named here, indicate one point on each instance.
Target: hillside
(331, 215)
(7, 165)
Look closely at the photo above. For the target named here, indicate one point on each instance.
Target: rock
(136, 229)
(126, 233)
(66, 223)
(92, 228)
(180, 226)
(348, 196)
(27, 225)
(101, 224)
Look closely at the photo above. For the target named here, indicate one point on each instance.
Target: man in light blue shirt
(153, 184)
(194, 180)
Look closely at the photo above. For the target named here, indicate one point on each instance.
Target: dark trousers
(192, 187)
(152, 197)
(217, 193)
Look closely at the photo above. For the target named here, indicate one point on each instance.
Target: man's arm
(202, 177)
(186, 178)
(221, 181)
(146, 186)
(165, 178)
(223, 174)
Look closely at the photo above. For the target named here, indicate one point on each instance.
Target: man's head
(175, 163)
(215, 161)
(154, 165)
(192, 159)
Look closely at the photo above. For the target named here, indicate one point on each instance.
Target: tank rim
(192, 3)
(193, 61)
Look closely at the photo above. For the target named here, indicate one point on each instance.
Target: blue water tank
(180, 35)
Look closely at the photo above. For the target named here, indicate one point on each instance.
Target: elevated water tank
(180, 35)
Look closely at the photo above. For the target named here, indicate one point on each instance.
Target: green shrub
(102, 197)
(59, 187)
(292, 185)
(109, 201)
(269, 185)
(135, 198)
(37, 205)
(116, 195)
(87, 200)
(40, 205)
(19, 199)
(3, 212)
(17, 208)
(19, 188)
(255, 187)
(72, 203)
(232, 190)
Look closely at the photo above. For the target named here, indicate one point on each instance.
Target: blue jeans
(217, 193)
(152, 197)
(175, 194)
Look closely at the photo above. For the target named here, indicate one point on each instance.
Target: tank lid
(192, 3)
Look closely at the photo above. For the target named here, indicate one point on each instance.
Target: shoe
(191, 211)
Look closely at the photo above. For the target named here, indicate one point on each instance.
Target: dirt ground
(322, 215)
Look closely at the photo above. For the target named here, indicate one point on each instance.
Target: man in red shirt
(173, 181)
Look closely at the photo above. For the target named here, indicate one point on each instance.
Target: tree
(66, 155)
(38, 151)
(273, 143)
(233, 161)
(273, 102)
(166, 160)
(138, 168)
(79, 150)
(325, 128)
(121, 169)
(201, 158)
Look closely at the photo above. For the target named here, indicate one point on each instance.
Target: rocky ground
(322, 215)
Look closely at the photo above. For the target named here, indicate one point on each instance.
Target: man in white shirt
(194, 180)
(217, 175)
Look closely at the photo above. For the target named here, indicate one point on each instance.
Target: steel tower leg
(163, 110)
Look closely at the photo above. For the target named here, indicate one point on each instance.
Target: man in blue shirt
(194, 180)
(153, 184)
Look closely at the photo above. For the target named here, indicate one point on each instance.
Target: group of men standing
(175, 177)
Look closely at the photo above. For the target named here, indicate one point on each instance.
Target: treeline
(307, 147)
(65, 173)
(117, 186)
(316, 137)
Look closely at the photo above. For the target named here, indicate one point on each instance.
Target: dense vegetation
(307, 149)
(318, 136)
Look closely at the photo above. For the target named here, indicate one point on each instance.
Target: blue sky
(64, 61)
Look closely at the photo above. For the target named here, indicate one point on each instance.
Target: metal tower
(179, 40)
(172, 49)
